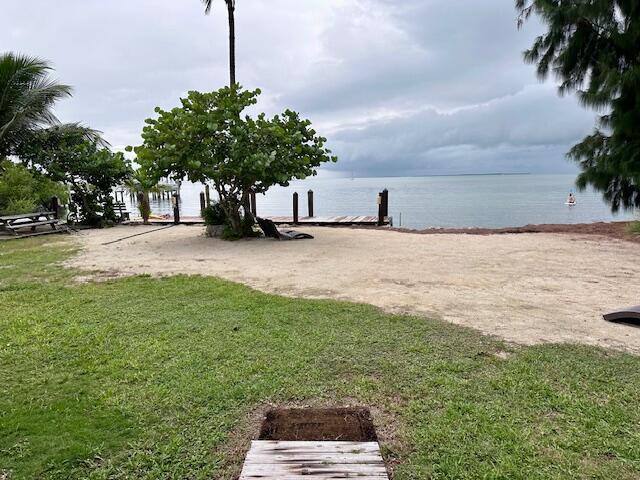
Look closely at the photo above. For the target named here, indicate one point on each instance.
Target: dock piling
(310, 202)
(383, 207)
(385, 202)
(176, 208)
(203, 203)
(295, 208)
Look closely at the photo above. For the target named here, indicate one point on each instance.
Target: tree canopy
(65, 154)
(207, 139)
(593, 48)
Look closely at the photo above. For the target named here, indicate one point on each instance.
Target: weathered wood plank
(299, 460)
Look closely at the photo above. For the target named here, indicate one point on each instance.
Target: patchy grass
(634, 228)
(154, 378)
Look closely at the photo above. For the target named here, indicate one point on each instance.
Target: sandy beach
(526, 288)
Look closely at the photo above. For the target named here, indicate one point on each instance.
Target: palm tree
(141, 183)
(231, 7)
(27, 95)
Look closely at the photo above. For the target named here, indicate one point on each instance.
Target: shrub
(22, 191)
(214, 215)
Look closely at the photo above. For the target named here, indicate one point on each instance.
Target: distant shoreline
(495, 174)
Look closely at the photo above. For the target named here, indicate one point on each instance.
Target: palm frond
(27, 97)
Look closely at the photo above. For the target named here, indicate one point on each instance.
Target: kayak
(571, 204)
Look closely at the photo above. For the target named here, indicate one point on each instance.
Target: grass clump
(145, 378)
(634, 228)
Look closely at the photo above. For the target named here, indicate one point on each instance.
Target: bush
(214, 215)
(22, 191)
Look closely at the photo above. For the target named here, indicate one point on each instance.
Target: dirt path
(527, 288)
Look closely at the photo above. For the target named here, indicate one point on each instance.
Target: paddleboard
(571, 204)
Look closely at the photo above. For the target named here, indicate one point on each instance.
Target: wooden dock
(346, 220)
(326, 221)
(300, 460)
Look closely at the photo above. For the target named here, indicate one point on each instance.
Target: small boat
(571, 204)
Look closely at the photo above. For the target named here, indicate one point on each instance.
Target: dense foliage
(21, 191)
(213, 214)
(593, 47)
(91, 170)
(208, 140)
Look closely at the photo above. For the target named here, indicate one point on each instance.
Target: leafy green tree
(208, 140)
(231, 7)
(22, 191)
(64, 154)
(593, 47)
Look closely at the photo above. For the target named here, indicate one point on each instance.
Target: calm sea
(422, 202)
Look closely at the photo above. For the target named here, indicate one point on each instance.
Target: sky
(399, 88)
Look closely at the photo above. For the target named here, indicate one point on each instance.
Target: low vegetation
(634, 228)
(154, 378)
(22, 191)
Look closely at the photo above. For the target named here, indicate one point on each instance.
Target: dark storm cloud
(410, 87)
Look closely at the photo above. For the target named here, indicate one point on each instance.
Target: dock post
(203, 203)
(207, 195)
(385, 202)
(176, 209)
(295, 208)
(252, 197)
(55, 207)
(380, 210)
(310, 202)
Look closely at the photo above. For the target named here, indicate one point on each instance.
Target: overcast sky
(399, 87)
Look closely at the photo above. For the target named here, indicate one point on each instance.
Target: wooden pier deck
(299, 460)
(345, 220)
(336, 220)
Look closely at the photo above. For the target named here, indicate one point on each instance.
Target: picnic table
(16, 224)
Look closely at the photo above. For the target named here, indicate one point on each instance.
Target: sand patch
(525, 288)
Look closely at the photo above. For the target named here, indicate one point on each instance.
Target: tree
(593, 47)
(27, 96)
(208, 139)
(231, 7)
(142, 182)
(63, 153)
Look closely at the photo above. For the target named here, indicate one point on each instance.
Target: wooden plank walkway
(298, 460)
(336, 220)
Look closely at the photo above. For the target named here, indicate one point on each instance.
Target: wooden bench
(121, 209)
(15, 223)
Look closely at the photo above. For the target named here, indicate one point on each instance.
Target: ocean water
(490, 201)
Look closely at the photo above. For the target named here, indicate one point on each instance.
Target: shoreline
(616, 230)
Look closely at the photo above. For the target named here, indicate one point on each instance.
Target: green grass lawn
(156, 378)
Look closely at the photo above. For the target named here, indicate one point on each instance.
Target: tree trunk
(246, 206)
(144, 207)
(232, 41)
